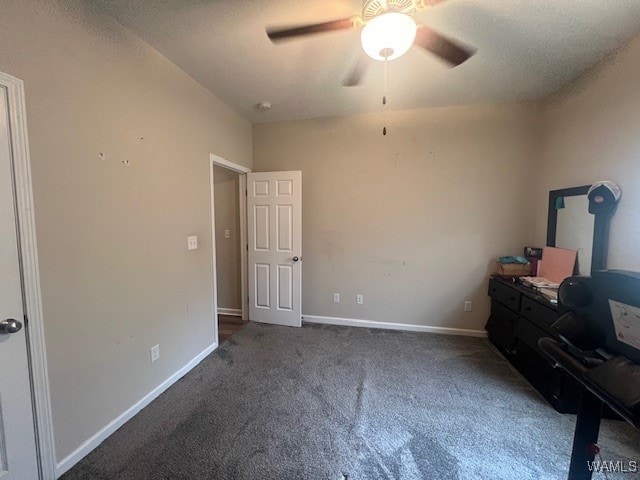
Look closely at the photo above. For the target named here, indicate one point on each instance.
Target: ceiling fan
(388, 32)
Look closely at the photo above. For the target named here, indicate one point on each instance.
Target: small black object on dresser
(520, 316)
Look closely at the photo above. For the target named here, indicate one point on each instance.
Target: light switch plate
(155, 353)
(192, 243)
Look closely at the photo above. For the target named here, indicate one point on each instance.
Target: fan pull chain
(384, 99)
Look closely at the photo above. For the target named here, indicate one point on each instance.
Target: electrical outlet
(467, 306)
(227, 234)
(192, 243)
(336, 298)
(155, 353)
(360, 299)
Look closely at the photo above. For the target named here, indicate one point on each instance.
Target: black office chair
(600, 348)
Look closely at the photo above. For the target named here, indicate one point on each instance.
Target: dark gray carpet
(321, 402)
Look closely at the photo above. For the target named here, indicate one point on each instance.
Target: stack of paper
(539, 283)
(552, 294)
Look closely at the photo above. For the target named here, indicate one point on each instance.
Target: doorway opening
(229, 241)
(270, 234)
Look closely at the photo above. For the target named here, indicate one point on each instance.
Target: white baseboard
(87, 446)
(352, 322)
(236, 312)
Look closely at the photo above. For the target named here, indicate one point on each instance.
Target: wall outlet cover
(192, 243)
(336, 298)
(360, 299)
(155, 353)
(468, 305)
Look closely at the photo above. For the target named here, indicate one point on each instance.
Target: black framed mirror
(570, 225)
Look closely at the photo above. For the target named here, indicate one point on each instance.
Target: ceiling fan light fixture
(389, 35)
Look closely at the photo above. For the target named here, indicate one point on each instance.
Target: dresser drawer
(529, 334)
(502, 326)
(538, 372)
(504, 294)
(537, 313)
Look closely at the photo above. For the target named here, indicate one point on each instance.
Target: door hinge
(247, 247)
(246, 193)
(26, 321)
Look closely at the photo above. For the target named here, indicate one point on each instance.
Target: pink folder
(557, 263)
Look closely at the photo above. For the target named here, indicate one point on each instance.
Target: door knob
(10, 326)
(295, 259)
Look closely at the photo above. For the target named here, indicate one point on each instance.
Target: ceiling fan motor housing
(374, 8)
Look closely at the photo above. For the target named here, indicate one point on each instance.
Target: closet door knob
(295, 259)
(10, 326)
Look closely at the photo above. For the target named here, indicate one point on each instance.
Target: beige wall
(116, 275)
(591, 132)
(412, 220)
(227, 211)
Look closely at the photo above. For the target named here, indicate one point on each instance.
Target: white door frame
(30, 275)
(242, 205)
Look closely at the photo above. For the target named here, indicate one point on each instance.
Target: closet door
(274, 203)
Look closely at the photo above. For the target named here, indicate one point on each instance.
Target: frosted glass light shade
(390, 34)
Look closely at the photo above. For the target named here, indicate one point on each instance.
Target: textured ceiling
(526, 49)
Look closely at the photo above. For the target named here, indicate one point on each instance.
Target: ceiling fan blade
(448, 50)
(283, 34)
(355, 76)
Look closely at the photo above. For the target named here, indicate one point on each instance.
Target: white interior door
(18, 458)
(274, 204)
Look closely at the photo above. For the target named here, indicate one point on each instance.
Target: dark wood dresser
(520, 316)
